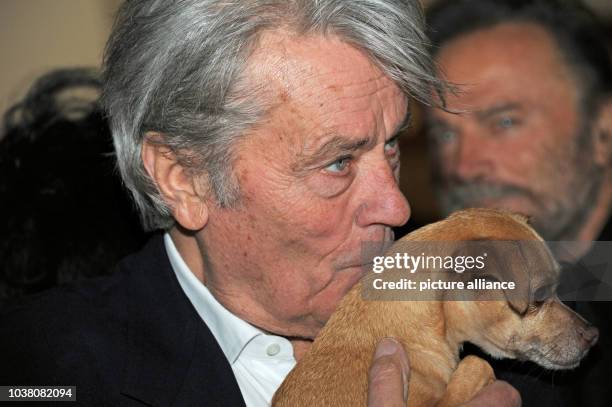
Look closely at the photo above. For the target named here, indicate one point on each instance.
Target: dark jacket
(132, 338)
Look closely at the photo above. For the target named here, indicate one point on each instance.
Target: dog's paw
(472, 374)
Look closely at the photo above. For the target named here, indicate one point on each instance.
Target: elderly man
(261, 136)
(534, 136)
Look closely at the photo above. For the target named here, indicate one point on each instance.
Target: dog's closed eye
(543, 293)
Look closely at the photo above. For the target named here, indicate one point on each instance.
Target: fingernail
(387, 346)
(390, 346)
(405, 383)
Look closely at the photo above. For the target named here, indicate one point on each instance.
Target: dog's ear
(508, 263)
(521, 218)
(502, 261)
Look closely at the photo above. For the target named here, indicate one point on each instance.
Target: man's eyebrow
(430, 120)
(489, 112)
(405, 124)
(337, 145)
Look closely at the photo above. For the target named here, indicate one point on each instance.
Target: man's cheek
(292, 292)
(316, 218)
(328, 229)
(326, 186)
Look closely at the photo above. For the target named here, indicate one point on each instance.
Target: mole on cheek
(283, 95)
(244, 176)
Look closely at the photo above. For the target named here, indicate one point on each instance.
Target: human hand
(390, 372)
(389, 375)
(498, 394)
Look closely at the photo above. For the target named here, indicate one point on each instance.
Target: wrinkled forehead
(507, 60)
(308, 68)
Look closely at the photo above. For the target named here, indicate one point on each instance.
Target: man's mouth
(363, 267)
(367, 251)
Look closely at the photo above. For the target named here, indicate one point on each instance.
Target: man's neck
(189, 250)
(187, 246)
(300, 347)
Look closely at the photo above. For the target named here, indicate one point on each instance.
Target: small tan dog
(530, 326)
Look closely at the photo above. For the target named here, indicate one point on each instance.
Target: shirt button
(272, 350)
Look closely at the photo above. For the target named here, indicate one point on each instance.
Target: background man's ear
(179, 190)
(602, 133)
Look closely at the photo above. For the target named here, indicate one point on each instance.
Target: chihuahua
(530, 323)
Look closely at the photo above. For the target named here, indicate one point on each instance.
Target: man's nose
(472, 158)
(384, 203)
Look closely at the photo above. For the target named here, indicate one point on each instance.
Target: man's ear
(178, 189)
(602, 133)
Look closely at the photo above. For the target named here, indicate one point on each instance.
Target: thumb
(389, 375)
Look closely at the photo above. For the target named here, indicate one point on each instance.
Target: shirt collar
(232, 333)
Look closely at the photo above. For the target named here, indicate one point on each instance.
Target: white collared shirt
(260, 361)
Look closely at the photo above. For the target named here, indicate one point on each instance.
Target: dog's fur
(334, 372)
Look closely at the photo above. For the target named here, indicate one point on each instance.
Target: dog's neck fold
(429, 345)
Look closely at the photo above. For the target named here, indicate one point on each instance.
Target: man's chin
(344, 280)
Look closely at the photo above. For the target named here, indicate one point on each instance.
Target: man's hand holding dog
(390, 373)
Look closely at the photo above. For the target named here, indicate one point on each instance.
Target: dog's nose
(589, 334)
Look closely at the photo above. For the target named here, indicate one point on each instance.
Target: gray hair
(175, 67)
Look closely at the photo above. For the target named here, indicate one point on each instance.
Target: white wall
(39, 35)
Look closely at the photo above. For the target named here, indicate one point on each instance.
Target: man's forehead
(509, 63)
(326, 95)
(301, 65)
(502, 50)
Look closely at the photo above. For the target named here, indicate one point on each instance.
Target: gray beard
(562, 221)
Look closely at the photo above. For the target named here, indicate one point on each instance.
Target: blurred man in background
(535, 82)
(533, 135)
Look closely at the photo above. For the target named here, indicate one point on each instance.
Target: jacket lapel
(172, 357)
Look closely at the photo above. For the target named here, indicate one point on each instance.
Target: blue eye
(391, 145)
(339, 166)
(446, 136)
(506, 122)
